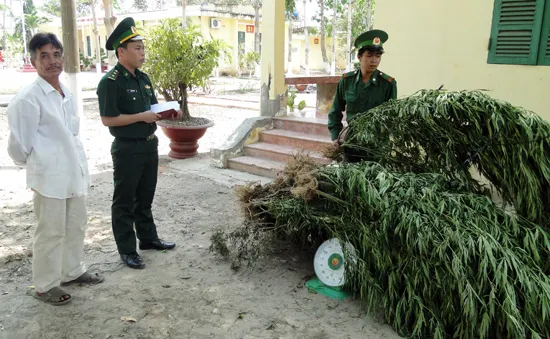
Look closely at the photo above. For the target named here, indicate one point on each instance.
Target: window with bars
(520, 33)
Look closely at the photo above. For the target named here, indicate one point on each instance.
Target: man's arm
(23, 121)
(335, 114)
(393, 94)
(107, 95)
(128, 119)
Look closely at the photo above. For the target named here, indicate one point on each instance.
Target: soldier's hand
(336, 143)
(149, 117)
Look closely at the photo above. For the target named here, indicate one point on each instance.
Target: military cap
(125, 31)
(373, 39)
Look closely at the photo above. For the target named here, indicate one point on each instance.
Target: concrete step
(304, 125)
(293, 139)
(259, 166)
(280, 152)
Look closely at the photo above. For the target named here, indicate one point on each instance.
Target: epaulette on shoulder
(386, 76)
(113, 74)
(349, 74)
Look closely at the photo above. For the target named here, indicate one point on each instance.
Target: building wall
(315, 54)
(445, 42)
(228, 32)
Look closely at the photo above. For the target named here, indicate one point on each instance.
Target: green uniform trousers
(135, 165)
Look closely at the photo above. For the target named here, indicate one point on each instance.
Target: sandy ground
(185, 293)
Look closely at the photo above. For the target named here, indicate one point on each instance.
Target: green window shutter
(515, 33)
(544, 49)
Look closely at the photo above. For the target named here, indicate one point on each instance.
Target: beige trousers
(58, 241)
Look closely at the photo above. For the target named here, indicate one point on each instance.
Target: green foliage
(442, 259)
(432, 248)
(360, 22)
(86, 61)
(178, 59)
(32, 21)
(102, 55)
(83, 8)
(141, 5)
(248, 61)
(312, 30)
(447, 132)
(290, 100)
(52, 7)
(14, 44)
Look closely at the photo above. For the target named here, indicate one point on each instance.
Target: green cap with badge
(374, 40)
(125, 31)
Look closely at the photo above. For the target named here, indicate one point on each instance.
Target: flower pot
(183, 139)
(301, 88)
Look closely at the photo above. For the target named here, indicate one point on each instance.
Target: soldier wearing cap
(125, 97)
(363, 89)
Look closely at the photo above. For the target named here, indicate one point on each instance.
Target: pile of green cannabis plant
(431, 247)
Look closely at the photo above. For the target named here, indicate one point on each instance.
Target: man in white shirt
(44, 128)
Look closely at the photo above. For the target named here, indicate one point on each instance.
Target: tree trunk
(289, 58)
(184, 104)
(369, 14)
(96, 36)
(183, 14)
(24, 32)
(70, 44)
(333, 63)
(257, 6)
(306, 33)
(348, 48)
(322, 32)
(109, 21)
(4, 32)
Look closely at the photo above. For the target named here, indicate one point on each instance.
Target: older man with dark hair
(44, 137)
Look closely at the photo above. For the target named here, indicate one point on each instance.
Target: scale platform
(316, 286)
(329, 268)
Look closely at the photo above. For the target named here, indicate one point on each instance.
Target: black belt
(149, 138)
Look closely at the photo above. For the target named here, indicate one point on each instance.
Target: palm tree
(4, 9)
(32, 23)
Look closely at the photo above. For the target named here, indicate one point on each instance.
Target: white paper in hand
(164, 106)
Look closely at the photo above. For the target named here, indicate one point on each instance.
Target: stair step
(259, 166)
(293, 139)
(304, 125)
(280, 153)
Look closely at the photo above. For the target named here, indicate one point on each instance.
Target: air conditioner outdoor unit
(215, 23)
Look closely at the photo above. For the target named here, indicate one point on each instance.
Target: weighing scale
(329, 265)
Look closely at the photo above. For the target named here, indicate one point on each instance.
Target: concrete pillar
(273, 88)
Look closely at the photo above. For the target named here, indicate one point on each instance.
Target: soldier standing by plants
(360, 90)
(125, 97)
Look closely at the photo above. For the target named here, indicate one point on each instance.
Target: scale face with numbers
(329, 262)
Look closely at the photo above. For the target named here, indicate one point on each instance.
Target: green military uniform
(353, 96)
(134, 149)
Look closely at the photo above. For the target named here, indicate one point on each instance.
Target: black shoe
(158, 244)
(133, 260)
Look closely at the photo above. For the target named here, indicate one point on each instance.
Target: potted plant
(178, 59)
(85, 62)
(248, 62)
